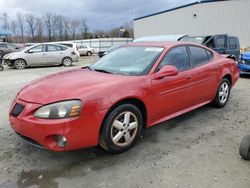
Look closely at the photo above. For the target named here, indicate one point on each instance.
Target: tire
(121, 129)
(67, 61)
(1, 68)
(20, 64)
(245, 148)
(223, 93)
(89, 54)
(1, 55)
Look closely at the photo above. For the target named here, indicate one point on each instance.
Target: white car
(86, 50)
(41, 55)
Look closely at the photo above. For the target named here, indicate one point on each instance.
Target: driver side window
(37, 49)
(177, 57)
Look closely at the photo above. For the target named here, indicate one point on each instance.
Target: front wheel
(121, 129)
(1, 68)
(67, 62)
(223, 93)
(20, 64)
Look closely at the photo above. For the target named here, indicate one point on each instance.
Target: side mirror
(167, 70)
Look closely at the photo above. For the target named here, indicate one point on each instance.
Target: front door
(36, 56)
(174, 93)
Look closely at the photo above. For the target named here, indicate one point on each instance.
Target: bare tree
(31, 21)
(84, 28)
(74, 24)
(48, 25)
(21, 24)
(39, 29)
(13, 29)
(59, 25)
(5, 19)
(66, 28)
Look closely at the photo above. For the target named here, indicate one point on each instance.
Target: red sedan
(111, 101)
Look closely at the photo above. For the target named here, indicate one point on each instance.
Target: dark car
(223, 44)
(6, 48)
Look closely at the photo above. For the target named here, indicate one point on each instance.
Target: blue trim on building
(179, 7)
(4, 32)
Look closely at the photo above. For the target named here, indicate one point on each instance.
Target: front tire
(1, 55)
(1, 68)
(223, 93)
(245, 148)
(121, 129)
(66, 62)
(20, 64)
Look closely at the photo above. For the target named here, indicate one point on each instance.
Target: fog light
(61, 141)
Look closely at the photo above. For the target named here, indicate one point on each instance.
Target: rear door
(206, 78)
(54, 54)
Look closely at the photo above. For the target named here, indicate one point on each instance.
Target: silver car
(41, 55)
(86, 50)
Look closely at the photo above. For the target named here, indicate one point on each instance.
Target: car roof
(164, 44)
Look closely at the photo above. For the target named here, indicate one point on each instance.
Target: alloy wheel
(124, 129)
(223, 92)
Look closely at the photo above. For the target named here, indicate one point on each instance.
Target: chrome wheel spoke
(132, 125)
(118, 136)
(127, 137)
(118, 125)
(221, 93)
(127, 118)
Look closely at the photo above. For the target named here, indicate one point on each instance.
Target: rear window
(220, 42)
(232, 43)
(199, 55)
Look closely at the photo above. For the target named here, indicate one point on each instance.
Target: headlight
(65, 109)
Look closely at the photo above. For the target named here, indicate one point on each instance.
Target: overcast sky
(101, 14)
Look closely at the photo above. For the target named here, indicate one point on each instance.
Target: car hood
(10, 55)
(73, 84)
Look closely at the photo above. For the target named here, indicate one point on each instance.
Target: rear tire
(89, 54)
(67, 61)
(121, 129)
(223, 93)
(20, 64)
(245, 148)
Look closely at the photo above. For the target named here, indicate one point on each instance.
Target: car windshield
(133, 60)
(198, 40)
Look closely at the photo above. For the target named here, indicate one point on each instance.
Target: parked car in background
(86, 50)
(71, 45)
(223, 44)
(41, 55)
(6, 48)
(244, 63)
(110, 102)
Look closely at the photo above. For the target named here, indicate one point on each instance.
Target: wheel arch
(21, 59)
(135, 101)
(229, 77)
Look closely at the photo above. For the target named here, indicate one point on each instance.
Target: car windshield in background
(133, 61)
(198, 40)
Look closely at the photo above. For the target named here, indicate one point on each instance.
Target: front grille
(18, 108)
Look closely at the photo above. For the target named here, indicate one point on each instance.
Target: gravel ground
(198, 149)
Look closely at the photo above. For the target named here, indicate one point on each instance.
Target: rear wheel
(67, 62)
(245, 148)
(20, 64)
(223, 93)
(121, 129)
(89, 54)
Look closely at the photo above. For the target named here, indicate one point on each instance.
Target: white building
(199, 18)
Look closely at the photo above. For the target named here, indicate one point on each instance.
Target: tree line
(55, 27)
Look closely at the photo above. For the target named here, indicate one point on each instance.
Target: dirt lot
(198, 149)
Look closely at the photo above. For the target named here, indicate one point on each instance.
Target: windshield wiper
(102, 70)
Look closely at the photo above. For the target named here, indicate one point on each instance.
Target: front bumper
(80, 132)
(244, 68)
(9, 62)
